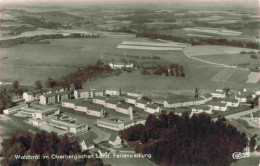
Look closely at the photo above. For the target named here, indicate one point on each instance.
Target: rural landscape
(130, 83)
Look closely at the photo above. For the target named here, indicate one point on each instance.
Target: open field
(253, 77)
(148, 48)
(214, 50)
(168, 44)
(214, 31)
(223, 75)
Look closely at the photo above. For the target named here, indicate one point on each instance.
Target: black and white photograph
(129, 83)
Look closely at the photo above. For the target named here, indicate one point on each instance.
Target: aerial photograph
(129, 83)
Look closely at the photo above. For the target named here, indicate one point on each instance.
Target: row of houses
(117, 124)
(54, 97)
(92, 109)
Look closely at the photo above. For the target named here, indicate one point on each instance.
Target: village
(95, 117)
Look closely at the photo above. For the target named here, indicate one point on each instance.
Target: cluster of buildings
(120, 65)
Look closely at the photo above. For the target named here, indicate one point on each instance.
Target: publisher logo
(240, 155)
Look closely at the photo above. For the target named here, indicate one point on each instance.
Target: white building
(99, 100)
(141, 104)
(172, 103)
(124, 109)
(218, 94)
(242, 98)
(112, 92)
(90, 109)
(72, 128)
(114, 139)
(131, 100)
(113, 124)
(120, 65)
(196, 109)
(54, 97)
(218, 106)
(152, 108)
(68, 103)
(13, 110)
(199, 101)
(39, 114)
(134, 94)
(112, 104)
(83, 93)
(231, 102)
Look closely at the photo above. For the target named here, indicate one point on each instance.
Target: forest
(181, 140)
(44, 144)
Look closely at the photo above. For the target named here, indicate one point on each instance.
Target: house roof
(90, 106)
(152, 106)
(218, 92)
(230, 99)
(111, 101)
(142, 102)
(216, 103)
(99, 98)
(198, 99)
(87, 141)
(113, 136)
(207, 95)
(117, 63)
(131, 97)
(124, 106)
(56, 93)
(201, 107)
(69, 101)
(111, 121)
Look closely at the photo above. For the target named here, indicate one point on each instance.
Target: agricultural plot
(223, 75)
(214, 50)
(151, 46)
(253, 77)
(214, 31)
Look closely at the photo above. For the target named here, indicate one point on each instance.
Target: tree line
(181, 140)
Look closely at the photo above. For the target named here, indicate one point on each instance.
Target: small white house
(131, 100)
(218, 106)
(141, 104)
(99, 100)
(196, 109)
(112, 104)
(152, 108)
(218, 94)
(231, 102)
(207, 97)
(114, 139)
(124, 109)
(112, 92)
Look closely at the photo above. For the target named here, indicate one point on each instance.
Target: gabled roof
(113, 136)
(111, 101)
(131, 97)
(142, 102)
(207, 95)
(99, 98)
(201, 107)
(87, 141)
(230, 99)
(215, 103)
(56, 93)
(69, 101)
(198, 99)
(124, 106)
(152, 106)
(90, 106)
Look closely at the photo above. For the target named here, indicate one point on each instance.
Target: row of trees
(180, 140)
(43, 144)
(38, 38)
(135, 56)
(172, 70)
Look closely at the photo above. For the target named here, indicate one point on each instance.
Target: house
(131, 99)
(54, 97)
(83, 93)
(68, 126)
(85, 143)
(231, 102)
(218, 94)
(172, 103)
(141, 104)
(90, 109)
(207, 97)
(99, 100)
(134, 94)
(196, 109)
(111, 103)
(256, 116)
(120, 65)
(96, 92)
(13, 110)
(242, 98)
(199, 101)
(124, 108)
(39, 114)
(34, 94)
(186, 102)
(152, 108)
(68, 103)
(218, 106)
(112, 92)
(114, 139)
(113, 124)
